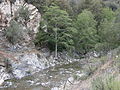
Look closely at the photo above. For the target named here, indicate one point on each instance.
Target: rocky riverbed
(54, 78)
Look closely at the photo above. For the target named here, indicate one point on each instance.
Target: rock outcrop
(34, 17)
(29, 60)
(32, 61)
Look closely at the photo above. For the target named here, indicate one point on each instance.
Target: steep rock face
(26, 62)
(34, 17)
(31, 25)
(32, 61)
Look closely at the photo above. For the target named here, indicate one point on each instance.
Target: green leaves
(23, 13)
(108, 32)
(15, 32)
(57, 22)
(109, 82)
(86, 26)
(94, 28)
(107, 14)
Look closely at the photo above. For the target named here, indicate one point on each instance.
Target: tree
(109, 34)
(107, 14)
(56, 30)
(108, 31)
(107, 20)
(40, 4)
(86, 36)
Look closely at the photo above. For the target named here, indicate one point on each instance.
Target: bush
(104, 47)
(90, 69)
(15, 32)
(22, 12)
(108, 83)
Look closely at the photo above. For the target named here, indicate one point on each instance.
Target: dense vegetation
(106, 83)
(79, 26)
(82, 26)
(15, 32)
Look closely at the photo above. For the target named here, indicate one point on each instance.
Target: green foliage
(23, 12)
(86, 36)
(15, 32)
(117, 20)
(108, 83)
(90, 69)
(87, 4)
(78, 78)
(95, 25)
(109, 36)
(105, 47)
(56, 21)
(42, 36)
(108, 31)
(113, 4)
(107, 14)
(40, 4)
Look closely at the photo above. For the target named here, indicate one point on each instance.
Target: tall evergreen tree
(55, 30)
(107, 31)
(86, 36)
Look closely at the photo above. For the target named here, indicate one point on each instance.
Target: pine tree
(108, 31)
(86, 36)
(56, 30)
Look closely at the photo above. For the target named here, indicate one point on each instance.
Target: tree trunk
(56, 45)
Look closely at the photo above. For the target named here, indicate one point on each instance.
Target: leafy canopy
(86, 36)
(56, 20)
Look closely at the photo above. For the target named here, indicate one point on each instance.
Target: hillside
(104, 74)
(59, 44)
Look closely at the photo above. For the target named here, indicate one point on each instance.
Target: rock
(29, 63)
(81, 75)
(19, 2)
(55, 88)
(3, 75)
(19, 73)
(35, 18)
(1, 81)
(32, 61)
(67, 85)
(71, 79)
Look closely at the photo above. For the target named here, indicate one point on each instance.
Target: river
(44, 80)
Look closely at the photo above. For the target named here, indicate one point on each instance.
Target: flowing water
(44, 80)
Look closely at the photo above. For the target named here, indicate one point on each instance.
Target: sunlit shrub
(15, 32)
(107, 83)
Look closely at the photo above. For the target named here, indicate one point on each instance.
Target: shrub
(22, 12)
(90, 69)
(15, 32)
(104, 47)
(107, 83)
